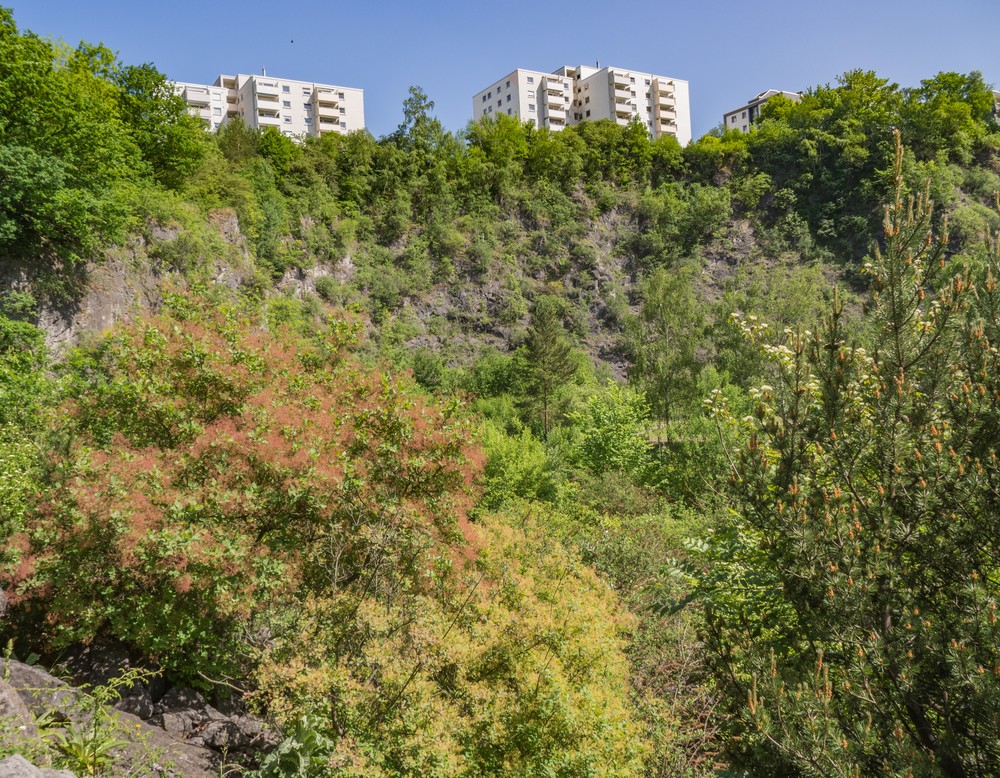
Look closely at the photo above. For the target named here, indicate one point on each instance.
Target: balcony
(622, 94)
(620, 80)
(197, 96)
(266, 88)
(268, 120)
(556, 114)
(667, 114)
(624, 109)
(622, 121)
(325, 111)
(325, 97)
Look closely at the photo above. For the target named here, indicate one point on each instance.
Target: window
(217, 111)
(499, 103)
(508, 112)
(633, 93)
(743, 115)
(531, 79)
(508, 98)
(342, 110)
(732, 120)
(343, 124)
(288, 120)
(508, 84)
(484, 98)
(286, 103)
(308, 106)
(587, 100)
(631, 80)
(286, 89)
(340, 95)
(647, 82)
(306, 91)
(489, 95)
(588, 114)
(531, 106)
(531, 94)
(309, 120)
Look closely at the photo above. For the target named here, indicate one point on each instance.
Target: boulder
(14, 714)
(187, 714)
(41, 692)
(138, 702)
(16, 766)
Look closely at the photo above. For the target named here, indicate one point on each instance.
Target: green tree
(549, 356)
(866, 500)
(613, 429)
(171, 141)
(947, 115)
(668, 333)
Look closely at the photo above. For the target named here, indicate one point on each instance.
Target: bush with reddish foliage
(220, 474)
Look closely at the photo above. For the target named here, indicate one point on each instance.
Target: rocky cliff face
(165, 732)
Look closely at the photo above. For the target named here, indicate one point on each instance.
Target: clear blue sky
(727, 50)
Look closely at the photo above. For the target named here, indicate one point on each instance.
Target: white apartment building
(531, 95)
(741, 118)
(571, 95)
(296, 108)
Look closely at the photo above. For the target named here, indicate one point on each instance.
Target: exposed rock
(138, 702)
(16, 766)
(14, 714)
(99, 664)
(164, 233)
(41, 692)
(117, 287)
(186, 713)
(173, 755)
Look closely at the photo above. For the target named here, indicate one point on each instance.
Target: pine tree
(549, 354)
(852, 609)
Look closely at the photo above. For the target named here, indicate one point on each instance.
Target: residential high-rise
(741, 118)
(545, 98)
(571, 95)
(296, 108)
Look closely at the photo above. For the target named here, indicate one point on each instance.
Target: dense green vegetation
(515, 452)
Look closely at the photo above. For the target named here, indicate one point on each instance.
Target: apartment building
(571, 95)
(531, 95)
(741, 118)
(296, 108)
